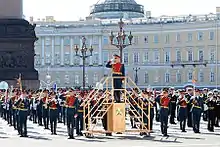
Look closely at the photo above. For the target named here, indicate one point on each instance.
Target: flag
(194, 77)
(55, 87)
(19, 82)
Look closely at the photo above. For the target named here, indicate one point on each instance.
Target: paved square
(38, 137)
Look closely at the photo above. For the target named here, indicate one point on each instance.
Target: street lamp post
(121, 38)
(136, 74)
(83, 55)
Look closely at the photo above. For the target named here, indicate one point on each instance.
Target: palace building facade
(168, 51)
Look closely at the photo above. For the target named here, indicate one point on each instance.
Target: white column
(71, 50)
(62, 51)
(52, 51)
(42, 51)
(90, 58)
(100, 50)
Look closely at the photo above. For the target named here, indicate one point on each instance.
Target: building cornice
(136, 29)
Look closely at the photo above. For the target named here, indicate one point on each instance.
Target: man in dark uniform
(79, 116)
(164, 111)
(23, 107)
(217, 109)
(118, 70)
(173, 100)
(197, 109)
(211, 104)
(44, 103)
(53, 109)
(188, 96)
(204, 96)
(217, 112)
(182, 111)
(71, 103)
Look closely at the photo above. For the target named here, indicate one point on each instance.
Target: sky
(69, 10)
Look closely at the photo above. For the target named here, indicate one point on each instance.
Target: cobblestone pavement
(37, 137)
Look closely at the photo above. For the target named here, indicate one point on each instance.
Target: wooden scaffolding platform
(115, 113)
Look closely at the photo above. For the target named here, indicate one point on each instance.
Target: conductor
(118, 70)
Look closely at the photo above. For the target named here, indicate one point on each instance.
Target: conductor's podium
(106, 116)
(116, 118)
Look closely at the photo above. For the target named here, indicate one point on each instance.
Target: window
(146, 57)
(201, 55)
(200, 36)
(212, 76)
(178, 37)
(86, 78)
(136, 40)
(190, 56)
(66, 41)
(146, 39)
(167, 77)
(67, 58)
(57, 40)
(95, 40)
(57, 58)
(58, 78)
(47, 40)
(146, 78)
(156, 56)
(178, 56)
(211, 35)
(190, 37)
(125, 58)
(157, 77)
(105, 57)
(95, 78)
(67, 79)
(190, 76)
(201, 76)
(105, 40)
(178, 77)
(77, 79)
(167, 56)
(156, 39)
(212, 56)
(167, 39)
(95, 58)
(77, 40)
(136, 58)
(76, 60)
(48, 59)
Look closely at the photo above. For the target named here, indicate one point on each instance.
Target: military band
(44, 106)
(47, 107)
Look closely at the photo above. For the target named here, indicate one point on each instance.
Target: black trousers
(117, 95)
(14, 114)
(79, 123)
(34, 114)
(211, 119)
(53, 120)
(46, 118)
(164, 112)
(23, 122)
(70, 121)
(172, 112)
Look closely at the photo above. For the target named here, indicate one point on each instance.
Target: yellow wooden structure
(116, 112)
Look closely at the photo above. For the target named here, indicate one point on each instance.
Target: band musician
(118, 70)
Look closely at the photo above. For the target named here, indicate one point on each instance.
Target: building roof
(112, 9)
